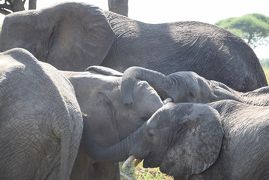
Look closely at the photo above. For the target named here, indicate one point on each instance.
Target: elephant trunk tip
(127, 88)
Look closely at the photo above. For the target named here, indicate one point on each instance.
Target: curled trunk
(156, 79)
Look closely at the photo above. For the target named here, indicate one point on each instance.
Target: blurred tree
(118, 6)
(32, 4)
(253, 28)
(9, 6)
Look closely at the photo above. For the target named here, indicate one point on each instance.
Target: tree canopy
(254, 28)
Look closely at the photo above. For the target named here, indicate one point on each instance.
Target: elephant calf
(107, 120)
(187, 86)
(225, 139)
(40, 119)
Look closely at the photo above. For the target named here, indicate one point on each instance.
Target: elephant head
(183, 139)
(64, 35)
(183, 86)
(98, 94)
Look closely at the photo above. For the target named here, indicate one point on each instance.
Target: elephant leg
(82, 169)
(106, 170)
(85, 169)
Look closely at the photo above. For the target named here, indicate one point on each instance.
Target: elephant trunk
(116, 152)
(157, 80)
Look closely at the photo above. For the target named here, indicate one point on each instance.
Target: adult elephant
(73, 36)
(187, 86)
(40, 119)
(226, 139)
(107, 120)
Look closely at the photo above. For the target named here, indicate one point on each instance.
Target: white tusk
(128, 162)
(137, 161)
(168, 100)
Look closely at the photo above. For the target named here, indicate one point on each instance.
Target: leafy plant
(253, 28)
(140, 173)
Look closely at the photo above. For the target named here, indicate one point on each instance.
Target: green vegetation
(266, 70)
(253, 28)
(265, 66)
(140, 173)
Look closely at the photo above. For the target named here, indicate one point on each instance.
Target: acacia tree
(118, 6)
(9, 6)
(253, 28)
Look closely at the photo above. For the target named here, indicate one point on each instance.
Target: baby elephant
(188, 86)
(225, 139)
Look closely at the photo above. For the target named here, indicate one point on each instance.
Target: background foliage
(253, 28)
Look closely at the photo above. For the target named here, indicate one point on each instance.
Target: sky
(161, 11)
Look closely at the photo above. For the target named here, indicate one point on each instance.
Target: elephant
(225, 139)
(107, 120)
(188, 86)
(40, 120)
(72, 36)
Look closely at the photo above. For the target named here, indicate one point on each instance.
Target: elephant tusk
(137, 161)
(128, 161)
(167, 100)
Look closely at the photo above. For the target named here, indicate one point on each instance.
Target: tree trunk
(10, 6)
(32, 4)
(17, 5)
(118, 6)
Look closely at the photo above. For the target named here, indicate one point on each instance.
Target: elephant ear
(82, 36)
(101, 112)
(70, 36)
(199, 142)
(104, 71)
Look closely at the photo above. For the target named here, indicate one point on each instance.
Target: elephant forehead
(182, 112)
(146, 96)
(176, 111)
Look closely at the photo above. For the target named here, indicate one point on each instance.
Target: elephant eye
(151, 133)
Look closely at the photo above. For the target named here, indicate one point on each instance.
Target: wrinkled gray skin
(108, 120)
(187, 86)
(192, 132)
(244, 152)
(40, 119)
(225, 140)
(73, 36)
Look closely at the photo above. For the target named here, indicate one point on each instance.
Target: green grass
(140, 173)
(266, 71)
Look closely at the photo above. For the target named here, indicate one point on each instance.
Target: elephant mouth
(151, 161)
(168, 168)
